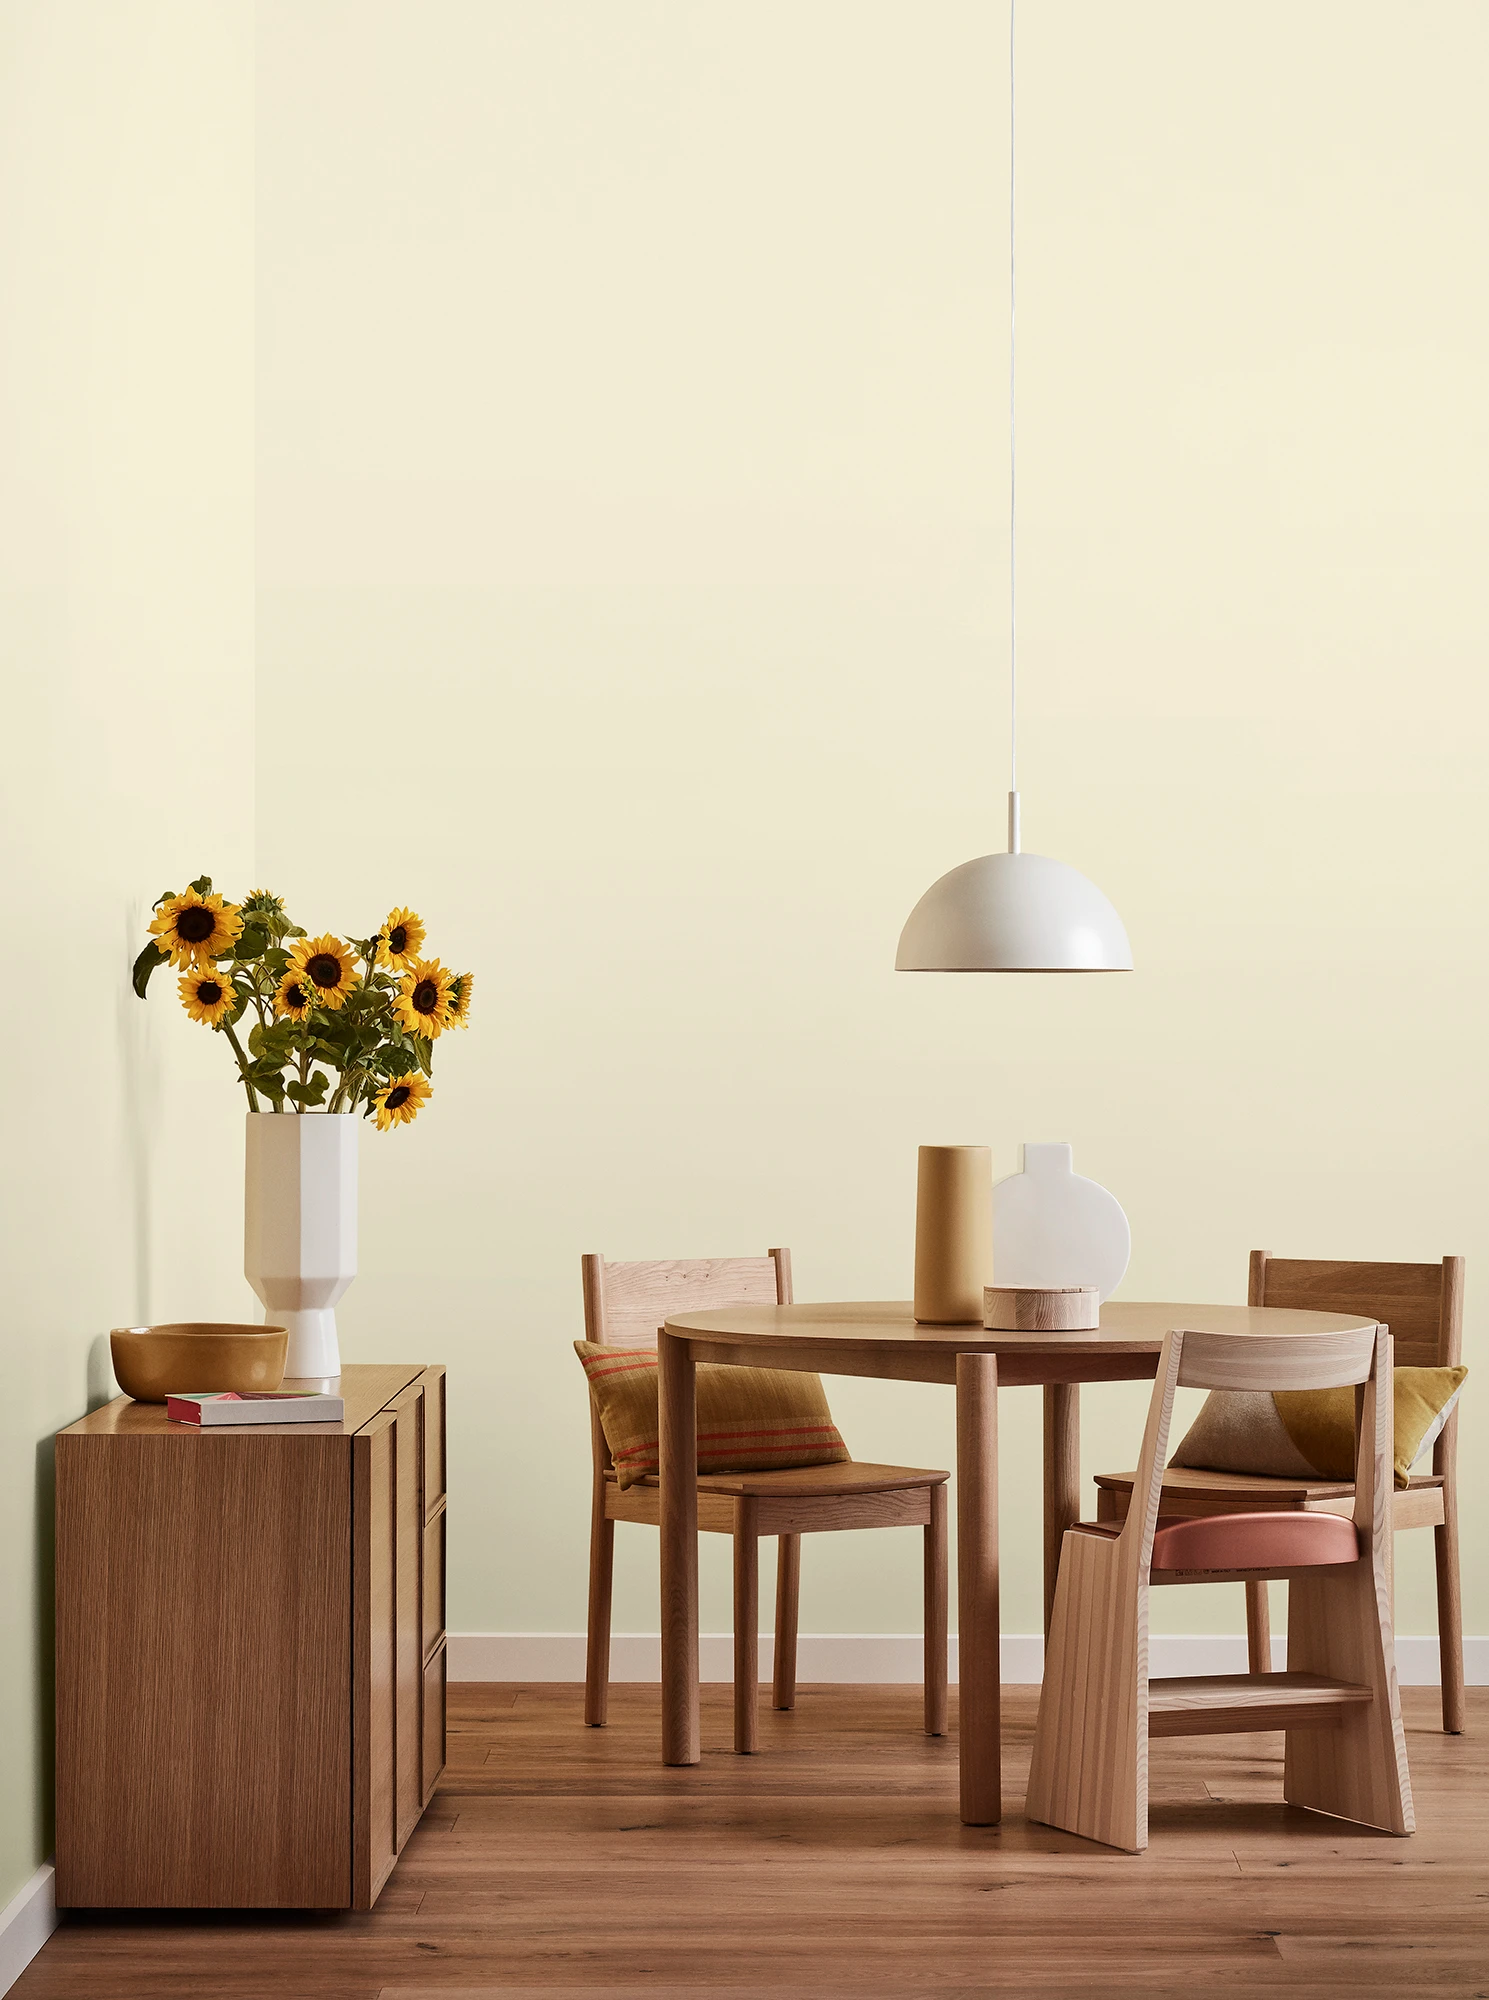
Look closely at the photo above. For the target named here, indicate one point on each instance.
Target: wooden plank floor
(557, 1862)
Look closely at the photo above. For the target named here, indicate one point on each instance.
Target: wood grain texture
(1062, 1479)
(374, 1555)
(198, 1579)
(1226, 1704)
(364, 1390)
(788, 1619)
(937, 1614)
(408, 1500)
(1022, 1309)
(557, 1862)
(979, 1742)
(435, 1427)
(678, 1459)
(746, 1624)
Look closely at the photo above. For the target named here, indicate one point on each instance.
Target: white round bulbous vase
(300, 1228)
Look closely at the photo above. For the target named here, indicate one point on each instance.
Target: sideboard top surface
(365, 1390)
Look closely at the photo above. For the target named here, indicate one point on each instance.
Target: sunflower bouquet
(335, 1023)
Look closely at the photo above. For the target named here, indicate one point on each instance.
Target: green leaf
(397, 1062)
(426, 1054)
(145, 964)
(202, 885)
(252, 943)
(312, 1092)
(166, 896)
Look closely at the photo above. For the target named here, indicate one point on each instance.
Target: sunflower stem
(227, 1029)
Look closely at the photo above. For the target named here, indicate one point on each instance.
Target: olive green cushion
(1310, 1433)
(749, 1419)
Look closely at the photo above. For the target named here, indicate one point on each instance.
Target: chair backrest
(1361, 1357)
(624, 1304)
(1422, 1304)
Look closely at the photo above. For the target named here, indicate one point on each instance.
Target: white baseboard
(26, 1922)
(879, 1657)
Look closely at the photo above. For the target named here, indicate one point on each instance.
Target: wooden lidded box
(250, 1650)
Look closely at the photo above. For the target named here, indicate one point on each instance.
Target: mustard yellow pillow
(1310, 1433)
(749, 1419)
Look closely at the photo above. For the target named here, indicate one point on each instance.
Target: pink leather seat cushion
(1255, 1541)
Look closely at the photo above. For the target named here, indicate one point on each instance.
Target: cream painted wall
(632, 489)
(126, 650)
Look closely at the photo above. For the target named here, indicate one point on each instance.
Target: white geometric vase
(1053, 1227)
(300, 1228)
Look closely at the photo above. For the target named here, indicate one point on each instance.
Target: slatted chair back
(1358, 1356)
(625, 1304)
(1422, 1304)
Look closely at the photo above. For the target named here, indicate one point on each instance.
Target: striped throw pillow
(749, 1419)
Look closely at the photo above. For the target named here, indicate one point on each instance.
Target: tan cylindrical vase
(953, 1234)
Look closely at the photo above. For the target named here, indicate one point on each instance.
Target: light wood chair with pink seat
(624, 1306)
(1422, 1306)
(1338, 1700)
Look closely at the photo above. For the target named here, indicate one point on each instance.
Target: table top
(1128, 1327)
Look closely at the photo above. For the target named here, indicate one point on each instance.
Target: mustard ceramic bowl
(153, 1362)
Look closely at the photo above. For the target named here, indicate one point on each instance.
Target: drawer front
(434, 1583)
(434, 1438)
(408, 1411)
(434, 1723)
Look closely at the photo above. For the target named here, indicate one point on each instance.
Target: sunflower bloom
(398, 1101)
(400, 940)
(460, 993)
(193, 930)
(294, 997)
(423, 1003)
(207, 995)
(325, 965)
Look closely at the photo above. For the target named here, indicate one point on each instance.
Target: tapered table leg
(1062, 1478)
(677, 1393)
(979, 1696)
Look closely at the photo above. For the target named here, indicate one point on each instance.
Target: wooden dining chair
(1338, 1700)
(1422, 1305)
(624, 1306)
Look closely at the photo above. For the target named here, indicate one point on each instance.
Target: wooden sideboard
(250, 1650)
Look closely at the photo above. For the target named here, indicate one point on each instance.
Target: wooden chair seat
(1188, 1491)
(854, 1477)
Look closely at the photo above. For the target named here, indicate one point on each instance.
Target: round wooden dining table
(885, 1341)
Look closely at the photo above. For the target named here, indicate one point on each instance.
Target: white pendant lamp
(1013, 912)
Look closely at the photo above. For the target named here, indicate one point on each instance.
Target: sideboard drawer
(434, 1582)
(434, 1438)
(434, 1722)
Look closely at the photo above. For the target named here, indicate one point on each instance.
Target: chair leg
(788, 1599)
(1338, 1625)
(1089, 1771)
(936, 1600)
(1450, 1612)
(746, 1624)
(1258, 1629)
(597, 1641)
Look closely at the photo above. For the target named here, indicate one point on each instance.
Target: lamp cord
(1013, 629)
